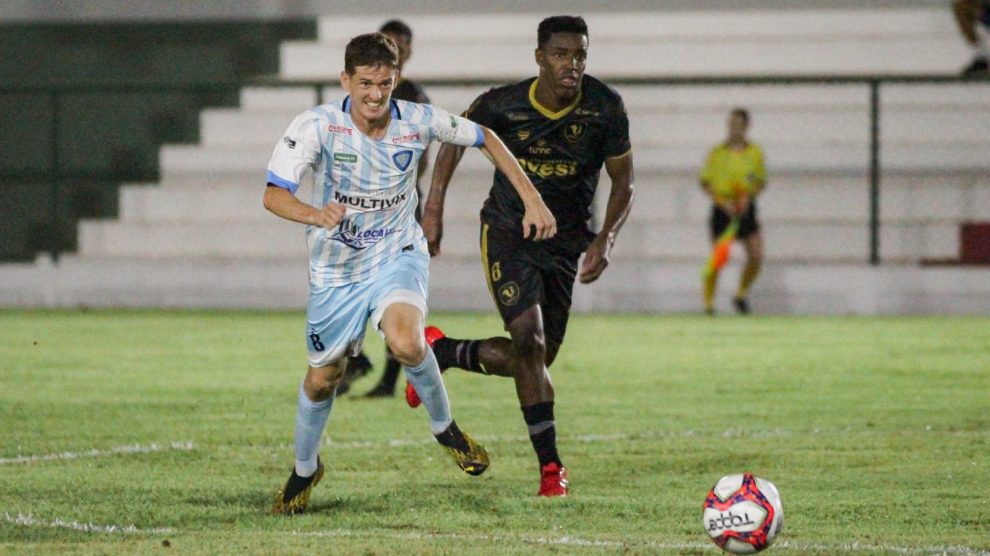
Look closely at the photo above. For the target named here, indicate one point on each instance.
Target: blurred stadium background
(136, 136)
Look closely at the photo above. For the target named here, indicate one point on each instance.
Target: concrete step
(456, 284)
(271, 238)
(834, 41)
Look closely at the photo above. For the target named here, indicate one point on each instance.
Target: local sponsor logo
(517, 116)
(340, 129)
(546, 169)
(368, 204)
(349, 158)
(508, 294)
(349, 234)
(408, 138)
(573, 132)
(523, 134)
(402, 159)
(289, 142)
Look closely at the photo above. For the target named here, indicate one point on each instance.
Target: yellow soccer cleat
(470, 456)
(292, 499)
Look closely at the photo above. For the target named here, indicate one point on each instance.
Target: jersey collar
(546, 111)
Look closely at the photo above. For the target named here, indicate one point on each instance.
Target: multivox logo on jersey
(366, 204)
(402, 159)
(351, 236)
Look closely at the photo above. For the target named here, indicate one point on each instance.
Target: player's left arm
(620, 201)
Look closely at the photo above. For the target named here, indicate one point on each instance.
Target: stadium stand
(201, 238)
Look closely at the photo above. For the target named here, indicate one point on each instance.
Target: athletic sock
(391, 374)
(542, 432)
(425, 378)
(311, 418)
(749, 274)
(463, 354)
(709, 290)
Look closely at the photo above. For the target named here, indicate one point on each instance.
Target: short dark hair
(396, 27)
(742, 113)
(370, 49)
(560, 24)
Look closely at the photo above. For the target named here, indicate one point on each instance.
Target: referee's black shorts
(719, 221)
(522, 273)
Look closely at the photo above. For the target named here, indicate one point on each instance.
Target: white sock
(311, 418)
(425, 378)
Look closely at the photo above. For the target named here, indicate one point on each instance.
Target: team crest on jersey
(523, 134)
(350, 235)
(508, 294)
(402, 159)
(574, 132)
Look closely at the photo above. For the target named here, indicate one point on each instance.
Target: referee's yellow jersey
(734, 173)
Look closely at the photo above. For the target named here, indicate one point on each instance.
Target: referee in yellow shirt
(733, 176)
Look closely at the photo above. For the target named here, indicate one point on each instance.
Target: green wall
(85, 107)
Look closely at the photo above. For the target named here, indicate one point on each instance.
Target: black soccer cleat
(381, 391)
(742, 305)
(294, 496)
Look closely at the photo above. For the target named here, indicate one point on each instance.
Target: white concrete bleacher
(201, 238)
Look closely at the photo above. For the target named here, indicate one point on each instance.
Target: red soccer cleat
(553, 480)
(432, 334)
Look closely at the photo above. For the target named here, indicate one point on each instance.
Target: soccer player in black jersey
(562, 126)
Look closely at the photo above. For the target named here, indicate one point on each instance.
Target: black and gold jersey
(561, 152)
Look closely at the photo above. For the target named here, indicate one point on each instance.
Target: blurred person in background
(733, 176)
(971, 15)
(407, 89)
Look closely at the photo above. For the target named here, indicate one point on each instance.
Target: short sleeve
(617, 136)
(708, 171)
(447, 128)
(298, 149)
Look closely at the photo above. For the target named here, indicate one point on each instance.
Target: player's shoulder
(508, 93)
(596, 89)
(409, 111)
(411, 91)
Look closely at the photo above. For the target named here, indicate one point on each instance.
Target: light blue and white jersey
(374, 178)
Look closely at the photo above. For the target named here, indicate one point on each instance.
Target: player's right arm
(538, 221)
(281, 202)
(448, 157)
(298, 150)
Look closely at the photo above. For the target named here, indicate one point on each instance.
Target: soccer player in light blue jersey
(368, 256)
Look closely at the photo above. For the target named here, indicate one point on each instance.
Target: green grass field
(123, 430)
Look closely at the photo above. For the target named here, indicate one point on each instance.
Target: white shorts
(338, 316)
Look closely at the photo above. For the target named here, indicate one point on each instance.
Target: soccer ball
(742, 513)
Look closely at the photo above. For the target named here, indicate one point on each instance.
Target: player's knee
(409, 349)
(320, 384)
(529, 343)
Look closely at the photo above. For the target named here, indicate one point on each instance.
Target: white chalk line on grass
(27, 520)
(97, 453)
(657, 545)
(585, 438)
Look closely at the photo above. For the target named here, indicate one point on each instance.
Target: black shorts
(719, 221)
(522, 273)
